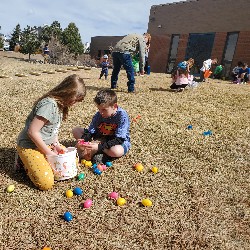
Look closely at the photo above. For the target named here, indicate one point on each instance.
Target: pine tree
(15, 37)
(72, 38)
(54, 30)
(29, 41)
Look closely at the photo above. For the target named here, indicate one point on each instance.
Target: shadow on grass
(7, 160)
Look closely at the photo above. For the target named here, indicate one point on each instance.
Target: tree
(1, 42)
(15, 37)
(29, 41)
(72, 38)
(54, 30)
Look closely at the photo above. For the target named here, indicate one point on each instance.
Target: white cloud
(93, 18)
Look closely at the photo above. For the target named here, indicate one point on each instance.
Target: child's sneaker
(18, 164)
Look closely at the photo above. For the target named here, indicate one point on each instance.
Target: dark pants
(125, 60)
(104, 72)
(174, 86)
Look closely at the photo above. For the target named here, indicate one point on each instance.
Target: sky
(91, 17)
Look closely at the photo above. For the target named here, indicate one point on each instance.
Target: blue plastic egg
(94, 165)
(97, 171)
(189, 127)
(77, 191)
(109, 164)
(67, 216)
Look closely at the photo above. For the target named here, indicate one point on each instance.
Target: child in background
(218, 72)
(235, 72)
(105, 66)
(244, 73)
(40, 134)
(181, 77)
(108, 133)
(136, 64)
(185, 66)
(207, 66)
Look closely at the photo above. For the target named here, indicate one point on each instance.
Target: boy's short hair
(106, 96)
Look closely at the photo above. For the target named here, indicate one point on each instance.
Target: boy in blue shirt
(244, 73)
(105, 66)
(108, 134)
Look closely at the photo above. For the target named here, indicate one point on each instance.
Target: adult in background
(122, 56)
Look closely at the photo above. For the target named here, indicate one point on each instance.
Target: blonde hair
(190, 62)
(71, 88)
(148, 36)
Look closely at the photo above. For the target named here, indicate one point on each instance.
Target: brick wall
(201, 16)
(219, 44)
(181, 53)
(242, 52)
(158, 54)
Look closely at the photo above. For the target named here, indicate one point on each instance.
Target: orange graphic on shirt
(107, 128)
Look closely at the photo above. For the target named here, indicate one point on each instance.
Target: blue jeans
(124, 59)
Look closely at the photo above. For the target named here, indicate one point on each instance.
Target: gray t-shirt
(48, 109)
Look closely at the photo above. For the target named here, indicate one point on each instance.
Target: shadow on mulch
(161, 89)
(7, 156)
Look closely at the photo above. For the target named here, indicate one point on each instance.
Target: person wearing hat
(122, 56)
(105, 66)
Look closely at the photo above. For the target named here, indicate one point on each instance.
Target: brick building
(200, 29)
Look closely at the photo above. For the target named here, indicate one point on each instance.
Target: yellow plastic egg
(121, 201)
(154, 170)
(69, 193)
(146, 202)
(139, 167)
(83, 161)
(88, 163)
(10, 188)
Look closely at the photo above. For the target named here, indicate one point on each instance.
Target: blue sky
(92, 17)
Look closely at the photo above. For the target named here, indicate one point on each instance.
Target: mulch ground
(200, 194)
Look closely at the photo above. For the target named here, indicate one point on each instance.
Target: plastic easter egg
(88, 163)
(154, 170)
(69, 193)
(113, 195)
(139, 167)
(99, 166)
(189, 127)
(83, 161)
(104, 167)
(87, 203)
(77, 191)
(109, 164)
(81, 176)
(46, 248)
(121, 201)
(67, 216)
(10, 188)
(147, 203)
(97, 171)
(94, 165)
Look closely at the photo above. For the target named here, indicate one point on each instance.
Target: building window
(173, 53)
(229, 50)
(199, 48)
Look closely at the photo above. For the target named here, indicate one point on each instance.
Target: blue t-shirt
(105, 65)
(247, 70)
(112, 127)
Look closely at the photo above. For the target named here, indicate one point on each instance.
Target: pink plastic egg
(87, 203)
(113, 195)
(104, 167)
